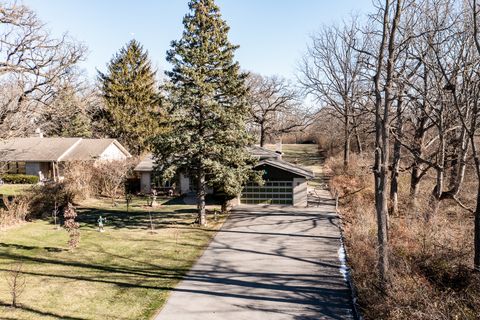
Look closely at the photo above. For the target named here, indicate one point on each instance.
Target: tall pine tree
(207, 100)
(131, 98)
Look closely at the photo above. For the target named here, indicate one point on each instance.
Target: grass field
(306, 155)
(124, 273)
(13, 189)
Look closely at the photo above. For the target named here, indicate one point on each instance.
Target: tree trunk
(473, 127)
(397, 148)
(201, 192)
(357, 140)
(346, 146)
(476, 259)
(394, 185)
(224, 208)
(434, 202)
(382, 136)
(262, 135)
(437, 191)
(458, 175)
(414, 188)
(417, 147)
(379, 176)
(476, 241)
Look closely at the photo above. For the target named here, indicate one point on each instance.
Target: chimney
(38, 133)
(278, 149)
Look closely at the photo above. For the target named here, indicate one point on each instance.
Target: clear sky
(272, 34)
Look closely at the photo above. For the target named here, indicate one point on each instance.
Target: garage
(272, 192)
(284, 184)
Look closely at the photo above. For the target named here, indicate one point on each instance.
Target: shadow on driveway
(266, 263)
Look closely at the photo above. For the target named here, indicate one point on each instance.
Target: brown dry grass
(431, 276)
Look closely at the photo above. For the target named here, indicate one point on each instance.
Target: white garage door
(272, 192)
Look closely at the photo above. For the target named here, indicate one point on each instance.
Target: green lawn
(123, 273)
(13, 189)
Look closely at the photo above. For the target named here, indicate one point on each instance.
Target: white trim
(122, 148)
(73, 146)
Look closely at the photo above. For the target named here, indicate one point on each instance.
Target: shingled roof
(265, 156)
(36, 149)
(287, 166)
(263, 153)
(89, 149)
(146, 165)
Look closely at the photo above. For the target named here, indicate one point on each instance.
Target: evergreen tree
(67, 115)
(207, 108)
(131, 98)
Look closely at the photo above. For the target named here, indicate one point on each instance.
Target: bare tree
(275, 107)
(34, 66)
(404, 73)
(388, 15)
(331, 72)
(435, 139)
(111, 176)
(16, 282)
(472, 128)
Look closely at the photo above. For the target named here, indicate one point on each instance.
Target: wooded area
(403, 83)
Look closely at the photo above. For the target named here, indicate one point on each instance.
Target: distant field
(125, 273)
(13, 189)
(306, 155)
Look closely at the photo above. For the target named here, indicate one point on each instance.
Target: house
(285, 183)
(44, 157)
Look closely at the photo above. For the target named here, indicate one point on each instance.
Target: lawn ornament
(100, 224)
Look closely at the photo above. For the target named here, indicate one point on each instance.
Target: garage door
(272, 192)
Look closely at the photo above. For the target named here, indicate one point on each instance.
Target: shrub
(19, 179)
(79, 179)
(45, 198)
(111, 176)
(16, 209)
(71, 226)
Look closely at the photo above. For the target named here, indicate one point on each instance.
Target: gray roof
(266, 157)
(88, 149)
(146, 165)
(263, 153)
(36, 149)
(287, 166)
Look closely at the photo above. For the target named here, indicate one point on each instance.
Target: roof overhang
(287, 166)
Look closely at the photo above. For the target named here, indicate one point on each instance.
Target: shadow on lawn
(37, 312)
(24, 247)
(321, 292)
(172, 212)
(148, 277)
(135, 220)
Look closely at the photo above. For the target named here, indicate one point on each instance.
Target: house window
(15, 167)
(159, 184)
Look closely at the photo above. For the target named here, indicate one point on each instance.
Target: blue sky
(272, 34)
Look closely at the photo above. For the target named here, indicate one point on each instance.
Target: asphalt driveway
(266, 263)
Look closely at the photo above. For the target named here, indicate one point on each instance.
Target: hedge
(19, 179)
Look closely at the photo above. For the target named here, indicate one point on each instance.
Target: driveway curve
(266, 263)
